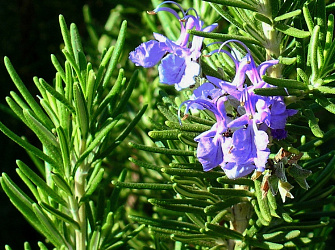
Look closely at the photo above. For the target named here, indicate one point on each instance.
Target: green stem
(80, 181)
(272, 38)
(79, 192)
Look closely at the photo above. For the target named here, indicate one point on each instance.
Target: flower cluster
(179, 58)
(245, 122)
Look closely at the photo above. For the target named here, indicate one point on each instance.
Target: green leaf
(239, 181)
(39, 182)
(265, 244)
(48, 228)
(224, 14)
(61, 183)
(27, 146)
(116, 192)
(162, 150)
(262, 201)
(26, 94)
(98, 139)
(234, 3)
(224, 37)
(42, 246)
(81, 110)
(191, 172)
(185, 191)
(188, 127)
(58, 67)
(285, 83)
(285, 7)
(329, 35)
(262, 18)
(65, 34)
(136, 185)
(321, 19)
(219, 206)
(126, 95)
(16, 109)
(70, 58)
(321, 180)
(19, 101)
(170, 134)
(225, 232)
(230, 192)
(308, 18)
(89, 92)
(182, 201)
(27, 246)
(259, 214)
(287, 15)
(313, 123)
(303, 76)
(113, 94)
(77, 48)
(287, 60)
(291, 31)
(326, 90)
(46, 137)
(29, 184)
(325, 103)
(94, 183)
(124, 133)
(20, 200)
(65, 148)
(274, 91)
(94, 241)
(57, 95)
(164, 223)
(60, 215)
(53, 116)
(314, 47)
(116, 54)
(329, 135)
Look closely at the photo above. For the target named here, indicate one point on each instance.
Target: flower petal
(148, 54)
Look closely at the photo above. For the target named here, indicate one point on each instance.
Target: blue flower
(239, 142)
(179, 59)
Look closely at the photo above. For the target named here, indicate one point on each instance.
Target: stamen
(151, 12)
(231, 148)
(185, 117)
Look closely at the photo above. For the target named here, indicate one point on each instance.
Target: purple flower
(213, 143)
(239, 140)
(249, 144)
(179, 66)
(148, 54)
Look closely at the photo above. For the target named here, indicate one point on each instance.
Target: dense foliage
(225, 144)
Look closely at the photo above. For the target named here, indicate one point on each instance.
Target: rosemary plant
(70, 203)
(287, 202)
(234, 151)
